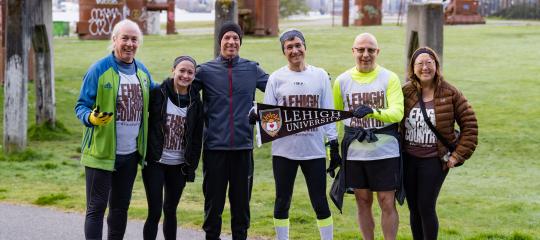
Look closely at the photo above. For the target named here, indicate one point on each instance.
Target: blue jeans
(114, 188)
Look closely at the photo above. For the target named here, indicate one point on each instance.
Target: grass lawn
(495, 195)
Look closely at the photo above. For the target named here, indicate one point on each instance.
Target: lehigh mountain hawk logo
(271, 121)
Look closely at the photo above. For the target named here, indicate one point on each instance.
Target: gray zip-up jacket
(228, 92)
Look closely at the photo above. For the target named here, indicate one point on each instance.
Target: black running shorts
(375, 175)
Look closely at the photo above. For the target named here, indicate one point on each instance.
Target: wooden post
(345, 18)
(16, 76)
(43, 63)
(226, 11)
(424, 28)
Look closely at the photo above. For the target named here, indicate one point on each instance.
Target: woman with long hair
(430, 151)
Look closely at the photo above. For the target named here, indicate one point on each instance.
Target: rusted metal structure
(98, 17)
(369, 12)
(164, 6)
(463, 12)
(259, 17)
(345, 14)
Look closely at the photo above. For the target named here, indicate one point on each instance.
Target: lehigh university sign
(279, 121)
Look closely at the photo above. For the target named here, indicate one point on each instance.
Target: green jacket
(100, 88)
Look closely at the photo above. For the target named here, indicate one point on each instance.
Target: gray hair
(123, 24)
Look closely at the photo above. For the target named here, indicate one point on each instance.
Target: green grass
(495, 195)
(46, 131)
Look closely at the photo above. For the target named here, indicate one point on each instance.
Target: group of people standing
(165, 127)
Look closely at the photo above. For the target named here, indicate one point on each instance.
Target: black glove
(253, 116)
(335, 159)
(188, 172)
(362, 111)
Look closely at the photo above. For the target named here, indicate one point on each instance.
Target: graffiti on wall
(102, 19)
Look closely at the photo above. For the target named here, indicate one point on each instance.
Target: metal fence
(489, 7)
(485, 8)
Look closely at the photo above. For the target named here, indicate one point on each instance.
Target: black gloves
(362, 111)
(253, 116)
(188, 172)
(335, 159)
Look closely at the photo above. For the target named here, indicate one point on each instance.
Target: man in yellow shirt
(372, 164)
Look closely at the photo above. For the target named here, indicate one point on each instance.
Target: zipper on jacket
(231, 117)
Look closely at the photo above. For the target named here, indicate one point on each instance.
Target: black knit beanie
(289, 35)
(230, 26)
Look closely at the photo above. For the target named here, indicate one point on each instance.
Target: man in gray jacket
(228, 83)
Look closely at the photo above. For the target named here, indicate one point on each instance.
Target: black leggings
(114, 187)
(423, 180)
(157, 178)
(284, 176)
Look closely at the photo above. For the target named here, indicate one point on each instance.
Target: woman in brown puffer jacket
(425, 169)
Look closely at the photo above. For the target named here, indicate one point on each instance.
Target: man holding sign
(300, 85)
(370, 143)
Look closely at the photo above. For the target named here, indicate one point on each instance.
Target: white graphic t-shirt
(309, 88)
(373, 94)
(420, 141)
(173, 152)
(129, 106)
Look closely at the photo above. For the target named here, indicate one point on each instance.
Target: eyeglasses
(426, 63)
(370, 51)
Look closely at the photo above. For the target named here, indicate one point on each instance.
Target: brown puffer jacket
(450, 106)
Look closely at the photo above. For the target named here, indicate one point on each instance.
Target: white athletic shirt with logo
(309, 88)
(173, 152)
(373, 94)
(129, 105)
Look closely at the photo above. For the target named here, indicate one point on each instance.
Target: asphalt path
(24, 222)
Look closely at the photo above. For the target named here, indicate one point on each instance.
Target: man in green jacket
(113, 106)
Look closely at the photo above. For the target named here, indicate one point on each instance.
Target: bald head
(365, 50)
(366, 37)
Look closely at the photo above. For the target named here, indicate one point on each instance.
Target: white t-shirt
(129, 106)
(309, 88)
(173, 152)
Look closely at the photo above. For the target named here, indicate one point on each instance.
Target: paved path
(23, 222)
